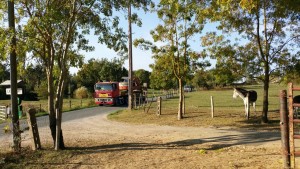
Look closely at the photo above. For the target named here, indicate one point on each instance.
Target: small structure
(20, 85)
(249, 97)
(20, 92)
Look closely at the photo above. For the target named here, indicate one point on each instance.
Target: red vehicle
(108, 93)
(114, 93)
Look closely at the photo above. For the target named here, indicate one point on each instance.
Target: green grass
(42, 105)
(227, 111)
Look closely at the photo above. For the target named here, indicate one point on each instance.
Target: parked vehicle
(188, 88)
(115, 93)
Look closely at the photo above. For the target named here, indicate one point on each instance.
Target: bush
(81, 93)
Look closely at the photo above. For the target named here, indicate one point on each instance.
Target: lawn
(227, 110)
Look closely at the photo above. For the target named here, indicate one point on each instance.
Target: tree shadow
(217, 142)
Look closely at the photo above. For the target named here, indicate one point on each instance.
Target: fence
(3, 113)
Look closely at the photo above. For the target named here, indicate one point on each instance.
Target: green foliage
(162, 76)
(33, 76)
(143, 75)
(292, 71)
(204, 79)
(100, 70)
(180, 22)
(81, 93)
(271, 30)
(42, 90)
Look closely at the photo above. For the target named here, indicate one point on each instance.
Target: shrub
(81, 93)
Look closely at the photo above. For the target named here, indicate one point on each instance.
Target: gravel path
(109, 144)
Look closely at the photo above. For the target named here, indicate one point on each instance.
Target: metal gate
(294, 123)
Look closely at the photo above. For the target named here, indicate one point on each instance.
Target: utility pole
(129, 58)
(13, 78)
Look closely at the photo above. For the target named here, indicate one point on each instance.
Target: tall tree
(55, 32)
(162, 75)
(100, 70)
(180, 23)
(271, 24)
(234, 62)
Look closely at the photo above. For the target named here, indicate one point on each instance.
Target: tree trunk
(130, 92)
(52, 118)
(180, 99)
(59, 142)
(264, 117)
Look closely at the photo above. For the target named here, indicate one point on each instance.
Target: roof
(7, 83)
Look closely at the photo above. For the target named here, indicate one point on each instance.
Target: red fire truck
(115, 93)
(108, 93)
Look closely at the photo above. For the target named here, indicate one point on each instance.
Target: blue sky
(141, 58)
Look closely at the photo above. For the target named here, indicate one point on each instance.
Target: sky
(141, 59)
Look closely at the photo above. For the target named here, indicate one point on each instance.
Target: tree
(203, 79)
(55, 32)
(100, 70)
(292, 72)
(272, 25)
(143, 75)
(180, 23)
(33, 76)
(234, 62)
(162, 75)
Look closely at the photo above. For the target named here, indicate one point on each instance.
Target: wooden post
(291, 125)
(284, 129)
(70, 104)
(140, 100)
(134, 100)
(158, 106)
(212, 106)
(183, 105)
(33, 129)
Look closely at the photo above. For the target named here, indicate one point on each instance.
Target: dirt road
(108, 144)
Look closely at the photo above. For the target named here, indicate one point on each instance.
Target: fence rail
(3, 114)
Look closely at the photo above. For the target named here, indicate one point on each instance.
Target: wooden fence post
(33, 129)
(134, 100)
(284, 129)
(212, 106)
(158, 106)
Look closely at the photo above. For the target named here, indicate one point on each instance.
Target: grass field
(42, 105)
(227, 111)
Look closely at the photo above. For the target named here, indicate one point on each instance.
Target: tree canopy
(100, 70)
